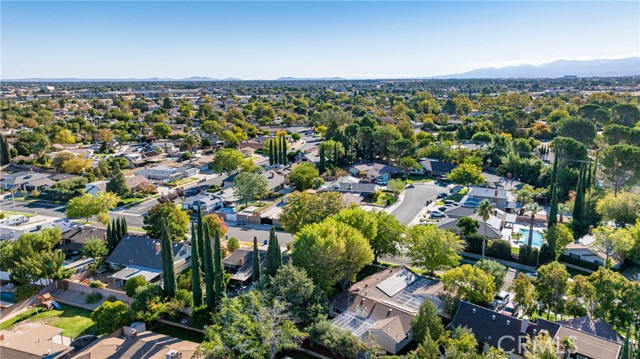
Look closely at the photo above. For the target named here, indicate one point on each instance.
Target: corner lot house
(500, 198)
(381, 306)
(374, 171)
(140, 255)
(436, 168)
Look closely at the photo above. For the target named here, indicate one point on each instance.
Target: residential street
(414, 201)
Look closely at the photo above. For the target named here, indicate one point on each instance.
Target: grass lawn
(74, 321)
(180, 333)
(17, 213)
(418, 179)
(182, 181)
(382, 199)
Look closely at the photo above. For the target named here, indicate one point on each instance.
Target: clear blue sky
(267, 40)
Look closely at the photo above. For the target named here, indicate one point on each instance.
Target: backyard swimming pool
(537, 240)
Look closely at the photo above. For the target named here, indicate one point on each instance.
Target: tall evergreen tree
(588, 185)
(118, 184)
(284, 149)
(110, 241)
(218, 269)
(271, 162)
(578, 206)
(116, 230)
(322, 158)
(626, 352)
(553, 210)
(5, 153)
(201, 238)
(168, 272)
(255, 274)
(124, 227)
(196, 276)
(209, 274)
(335, 154)
(274, 255)
(276, 150)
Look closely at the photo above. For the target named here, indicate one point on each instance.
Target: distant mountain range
(581, 68)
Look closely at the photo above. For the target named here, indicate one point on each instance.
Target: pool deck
(508, 232)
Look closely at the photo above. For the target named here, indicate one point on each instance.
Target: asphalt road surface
(414, 201)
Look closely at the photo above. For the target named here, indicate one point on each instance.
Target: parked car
(437, 214)
(442, 209)
(381, 182)
(410, 185)
(500, 300)
(509, 310)
(450, 202)
(442, 195)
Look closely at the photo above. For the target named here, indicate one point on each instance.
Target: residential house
(500, 198)
(19, 180)
(166, 174)
(139, 159)
(93, 188)
(240, 265)
(436, 168)
(381, 306)
(33, 341)
(586, 249)
(374, 171)
(76, 237)
(144, 345)
(140, 255)
(13, 231)
(492, 228)
(597, 327)
(207, 202)
(494, 329)
(276, 181)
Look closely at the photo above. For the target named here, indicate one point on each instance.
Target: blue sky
(267, 40)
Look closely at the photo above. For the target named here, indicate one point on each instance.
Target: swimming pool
(6, 297)
(537, 239)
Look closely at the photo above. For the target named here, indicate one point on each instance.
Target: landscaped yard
(16, 213)
(385, 199)
(75, 321)
(182, 181)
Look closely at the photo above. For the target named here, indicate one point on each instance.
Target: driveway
(414, 200)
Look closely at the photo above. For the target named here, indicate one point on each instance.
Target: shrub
(201, 316)
(133, 283)
(184, 297)
(528, 255)
(232, 244)
(92, 298)
(500, 249)
(23, 292)
(97, 284)
(111, 316)
(474, 243)
(111, 299)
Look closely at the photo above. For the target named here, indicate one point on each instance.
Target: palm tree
(562, 209)
(485, 209)
(532, 208)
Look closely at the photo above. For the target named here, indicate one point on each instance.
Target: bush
(474, 243)
(111, 299)
(97, 284)
(92, 298)
(133, 284)
(578, 262)
(23, 292)
(110, 316)
(232, 244)
(500, 249)
(201, 316)
(184, 297)
(528, 255)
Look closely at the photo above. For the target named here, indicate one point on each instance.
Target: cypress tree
(255, 275)
(115, 227)
(110, 243)
(553, 210)
(626, 352)
(271, 163)
(218, 269)
(169, 275)
(5, 154)
(322, 158)
(208, 269)
(274, 256)
(200, 237)
(284, 150)
(589, 177)
(196, 276)
(276, 151)
(125, 228)
(578, 206)
(335, 154)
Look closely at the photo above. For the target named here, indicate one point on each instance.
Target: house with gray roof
(19, 180)
(502, 199)
(436, 168)
(140, 255)
(207, 202)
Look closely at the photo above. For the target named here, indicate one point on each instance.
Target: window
(337, 311)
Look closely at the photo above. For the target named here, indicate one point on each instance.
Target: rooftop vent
(493, 317)
(473, 310)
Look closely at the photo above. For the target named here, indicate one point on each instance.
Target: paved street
(414, 201)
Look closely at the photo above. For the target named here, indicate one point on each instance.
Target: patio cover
(132, 271)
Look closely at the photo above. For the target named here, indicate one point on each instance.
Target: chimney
(524, 325)
(158, 248)
(241, 262)
(591, 230)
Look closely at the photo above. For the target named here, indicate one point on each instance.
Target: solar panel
(397, 282)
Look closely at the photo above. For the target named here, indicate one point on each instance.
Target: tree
(293, 286)
(364, 221)
(209, 270)
(532, 209)
(608, 286)
(569, 151)
(613, 242)
(177, 221)
(626, 114)
(149, 303)
(215, 223)
(124, 230)
(580, 129)
(118, 185)
(432, 248)
(553, 209)
(227, 160)
(161, 130)
(218, 270)
(255, 272)
(557, 237)
(95, 248)
(250, 327)
(87, 205)
(427, 324)
(132, 285)
(110, 316)
(466, 174)
(5, 153)
(396, 186)
(305, 208)
(196, 276)
(541, 347)
(249, 186)
(524, 294)
(64, 136)
(389, 236)
(552, 285)
(232, 244)
(303, 174)
(623, 209)
(496, 270)
(274, 254)
(468, 226)
(331, 252)
(75, 165)
(622, 165)
(408, 164)
(168, 270)
(469, 283)
(191, 141)
(485, 210)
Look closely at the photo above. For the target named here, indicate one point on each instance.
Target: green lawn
(419, 179)
(75, 321)
(382, 199)
(182, 181)
(17, 213)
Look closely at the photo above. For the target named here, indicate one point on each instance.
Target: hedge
(528, 255)
(500, 249)
(578, 262)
